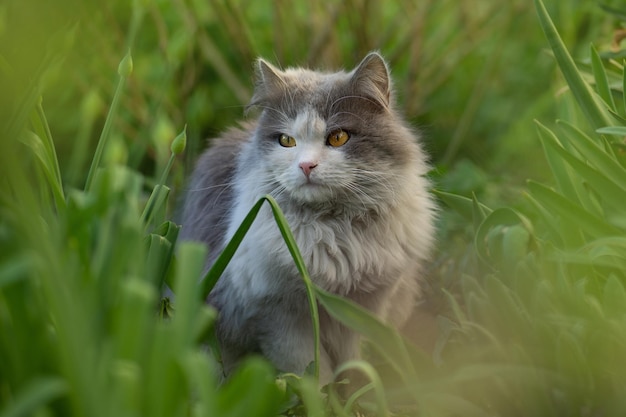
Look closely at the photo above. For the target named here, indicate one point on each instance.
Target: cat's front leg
(287, 341)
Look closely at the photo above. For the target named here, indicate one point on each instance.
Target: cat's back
(210, 193)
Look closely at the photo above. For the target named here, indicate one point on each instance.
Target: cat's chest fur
(343, 251)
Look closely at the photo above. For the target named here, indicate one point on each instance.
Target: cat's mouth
(312, 191)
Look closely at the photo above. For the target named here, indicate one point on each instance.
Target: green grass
(529, 288)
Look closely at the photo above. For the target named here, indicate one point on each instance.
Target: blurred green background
(472, 76)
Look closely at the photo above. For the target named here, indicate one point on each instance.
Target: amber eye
(337, 138)
(286, 141)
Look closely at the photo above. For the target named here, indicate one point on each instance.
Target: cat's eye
(338, 138)
(286, 141)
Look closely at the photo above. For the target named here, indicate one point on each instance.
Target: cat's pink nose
(306, 167)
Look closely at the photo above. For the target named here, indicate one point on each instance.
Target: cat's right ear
(268, 82)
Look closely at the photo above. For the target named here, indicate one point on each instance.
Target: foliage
(532, 318)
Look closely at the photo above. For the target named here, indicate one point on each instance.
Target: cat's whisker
(210, 187)
(349, 114)
(284, 117)
(340, 99)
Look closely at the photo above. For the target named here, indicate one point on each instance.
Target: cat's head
(332, 138)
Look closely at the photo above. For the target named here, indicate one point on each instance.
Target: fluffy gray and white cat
(349, 175)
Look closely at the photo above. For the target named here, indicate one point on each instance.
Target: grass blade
(222, 261)
(595, 114)
(462, 205)
(376, 384)
(34, 396)
(38, 147)
(596, 155)
(613, 130)
(42, 130)
(385, 338)
(602, 81)
(565, 208)
(106, 130)
(560, 171)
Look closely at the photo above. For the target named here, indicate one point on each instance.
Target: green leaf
(624, 83)
(560, 171)
(594, 153)
(201, 373)
(157, 201)
(134, 315)
(161, 245)
(596, 114)
(385, 338)
(462, 205)
(613, 130)
(614, 194)
(618, 14)
(376, 384)
(478, 213)
(493, 229)
(106, 129)
(614, 296)
(38, 147)
(253, 381)
(216, 271)
(210, 279)
(602, 81)
(191, 259)
(36, 394)
(561, 206)
(42, 130)
(16, 268)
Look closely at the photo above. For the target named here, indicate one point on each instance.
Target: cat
(349, 174)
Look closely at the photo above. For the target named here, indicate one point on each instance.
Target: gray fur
(363, 220)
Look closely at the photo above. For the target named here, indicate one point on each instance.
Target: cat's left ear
(371, 78)
(269, 82)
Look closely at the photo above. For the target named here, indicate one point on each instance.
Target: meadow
(103, 109)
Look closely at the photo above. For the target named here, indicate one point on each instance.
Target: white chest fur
(342, 253)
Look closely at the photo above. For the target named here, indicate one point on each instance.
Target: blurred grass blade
(309, 392)
(485, 239)
(558, 167)
(385, 338)
(565, 208)
(42, 130)
(156, 202)
(595, 154)
(614, 194)
(596, 115)
(262, 397)
(37, 146)
(161, 244)
(462, 205)
(191, 259)
(200, 371)
(624, 83)
(123, 72)
(614, 296)
(613, 130)
(619, 14)
(375, 381)
(158, 198)
(37, 393)
(602, 81)
(478, 213)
